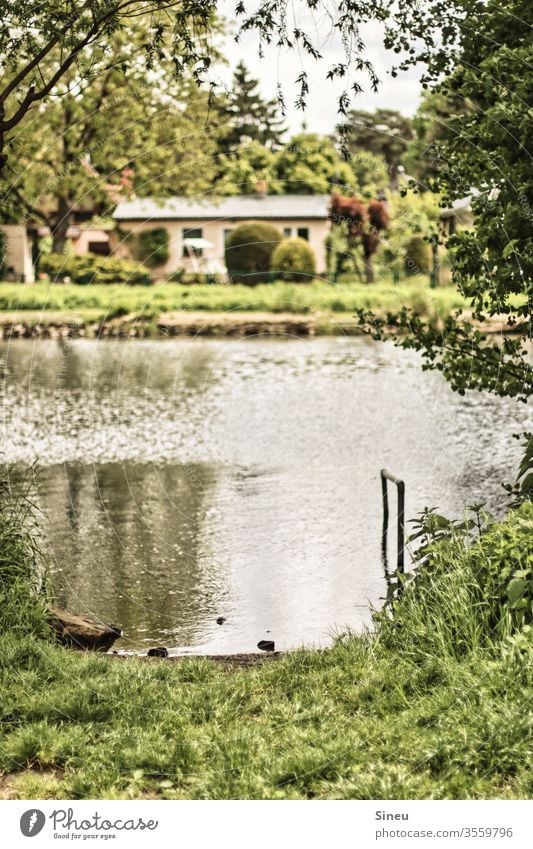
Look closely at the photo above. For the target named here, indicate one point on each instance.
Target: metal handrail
(400, 524)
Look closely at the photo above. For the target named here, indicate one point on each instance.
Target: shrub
(503, 565)
(152, 247)
(195, 278)
(472, 584)
(249, 251)
(417, 255)
(294, 259)
(94, 269)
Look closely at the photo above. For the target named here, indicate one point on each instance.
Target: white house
(199, 229)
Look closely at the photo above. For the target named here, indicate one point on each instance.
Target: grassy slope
(277, 297)
(433, 706)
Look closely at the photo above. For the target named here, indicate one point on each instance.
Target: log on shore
(80, 633)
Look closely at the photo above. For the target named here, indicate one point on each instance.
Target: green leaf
(516, 589)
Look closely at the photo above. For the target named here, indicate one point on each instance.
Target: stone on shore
(159, 651)
(80, 633)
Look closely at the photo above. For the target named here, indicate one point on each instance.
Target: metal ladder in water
(400, 521)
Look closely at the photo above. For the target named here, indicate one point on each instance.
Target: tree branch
(42, 54)
(29, 208)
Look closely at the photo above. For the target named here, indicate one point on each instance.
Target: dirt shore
(30, 324)
(33, 324)
(236, 661)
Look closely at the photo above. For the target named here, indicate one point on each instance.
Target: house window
(99, 248)
(194, 233)
(227, 233)
(287, 232)
(303, 233)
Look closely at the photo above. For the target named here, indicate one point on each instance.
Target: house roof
(458, 206)
(213, 209)
(462, 205)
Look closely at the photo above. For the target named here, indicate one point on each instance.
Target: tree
(310, 164)
(370, 174)
(246, 117)
(486, 156)
(92, 142)
(363, 225)
(307, 164)
(41, 40)
(411, 214)
(239, 173)
(423, 158)
(386, 133)
(3, 251)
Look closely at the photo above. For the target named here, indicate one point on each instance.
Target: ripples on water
(191, 479)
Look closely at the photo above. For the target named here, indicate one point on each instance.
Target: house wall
(213, 231)
(18, 252)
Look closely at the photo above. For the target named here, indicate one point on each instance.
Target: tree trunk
(3, 157)
(60, 225)
(369, 269)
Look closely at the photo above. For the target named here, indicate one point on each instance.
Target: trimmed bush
(294, 259)
(417, 255)
(249, 251)
(152, 247)
(91, 268)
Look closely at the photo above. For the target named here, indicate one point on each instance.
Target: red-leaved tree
(362, 223)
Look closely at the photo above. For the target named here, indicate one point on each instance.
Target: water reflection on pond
(187, 480)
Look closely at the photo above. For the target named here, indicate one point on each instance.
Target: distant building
(459, 214)
(199, 229)
(18, 254)
(84, 238)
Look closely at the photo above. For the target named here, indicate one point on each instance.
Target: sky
(321, 115)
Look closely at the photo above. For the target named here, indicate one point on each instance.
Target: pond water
(186, 480)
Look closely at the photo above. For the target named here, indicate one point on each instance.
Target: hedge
(417, 256)
(294, 259)
(91, 268)
(152, 247)
(249, 251)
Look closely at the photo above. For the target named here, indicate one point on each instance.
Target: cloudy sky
(283, 67)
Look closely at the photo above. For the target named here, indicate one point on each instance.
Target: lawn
(279, 297)
(433, 704)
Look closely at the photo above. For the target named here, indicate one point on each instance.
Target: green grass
(277, 297)
(433, 705)
(23, 574)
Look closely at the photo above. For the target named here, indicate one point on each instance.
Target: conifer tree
(247, 116)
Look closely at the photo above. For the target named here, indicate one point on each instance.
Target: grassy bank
(152, 301)
(433, 705)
